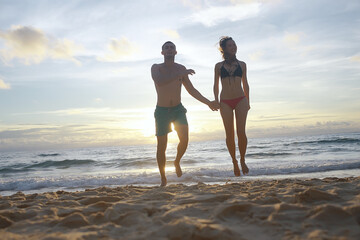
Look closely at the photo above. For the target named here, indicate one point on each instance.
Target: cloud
(292, 39)
(119, 49)
(295, 41)
(32, 45)
(194, 4)
(81, 127)
(171, 33)
(326, 127)
(256, 55)
(214, 15)
(236, 2)
(202, 4)
(98, 100)
(65, 136)
(355, 58)
(65, 49)
(97, 113)
(4, 85)
(122, 70)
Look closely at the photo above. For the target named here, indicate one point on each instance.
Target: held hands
(214, 105)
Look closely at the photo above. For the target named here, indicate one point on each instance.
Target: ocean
(333, 155)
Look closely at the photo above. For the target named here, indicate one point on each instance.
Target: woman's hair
(222, 44)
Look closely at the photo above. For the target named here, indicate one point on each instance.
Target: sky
(77, 73)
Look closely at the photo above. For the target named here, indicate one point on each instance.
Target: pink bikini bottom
(232, 102)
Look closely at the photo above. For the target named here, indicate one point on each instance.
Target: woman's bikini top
(224, 73)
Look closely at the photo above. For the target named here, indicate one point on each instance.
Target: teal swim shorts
(164, 116)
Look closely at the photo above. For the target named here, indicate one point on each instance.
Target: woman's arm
(245, 82)
(216, 83)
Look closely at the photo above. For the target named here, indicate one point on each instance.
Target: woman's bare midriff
(231, 88)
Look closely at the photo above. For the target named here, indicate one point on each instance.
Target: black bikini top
(224, 73)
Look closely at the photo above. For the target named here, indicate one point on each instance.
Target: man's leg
(183, 134)
(161, 157)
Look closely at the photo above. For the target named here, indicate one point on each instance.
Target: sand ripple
(278, 209)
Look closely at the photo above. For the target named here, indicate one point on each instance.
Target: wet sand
(278, 209)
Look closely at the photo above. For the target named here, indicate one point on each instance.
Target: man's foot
(178, 168)
(163, 182)
(244, 167)
(236, 168)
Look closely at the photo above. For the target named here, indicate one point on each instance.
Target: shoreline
(290, 208)
(172, 179)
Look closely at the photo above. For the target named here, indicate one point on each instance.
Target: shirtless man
(168, 78)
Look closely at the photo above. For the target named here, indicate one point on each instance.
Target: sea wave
(49, 155)
(64, 163)
(46, 164)
(204, 161)
(268, 154)
(191, 175)
(343, 140)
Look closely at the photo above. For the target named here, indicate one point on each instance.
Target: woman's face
(230, 47)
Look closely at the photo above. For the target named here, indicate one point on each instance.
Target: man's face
(169, 49)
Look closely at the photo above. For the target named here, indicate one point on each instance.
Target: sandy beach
(276, 209)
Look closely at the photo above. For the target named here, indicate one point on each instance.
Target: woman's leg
(241, 111)
(228, 120)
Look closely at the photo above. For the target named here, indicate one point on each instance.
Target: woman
(234, 97)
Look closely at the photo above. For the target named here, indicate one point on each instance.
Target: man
(168, 78)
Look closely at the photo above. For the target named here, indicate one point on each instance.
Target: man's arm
(197, 95)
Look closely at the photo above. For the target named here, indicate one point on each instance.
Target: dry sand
(277, 209)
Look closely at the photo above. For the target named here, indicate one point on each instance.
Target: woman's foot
(236, 168)
(244, 167)
(163, 182)
(178, 168)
